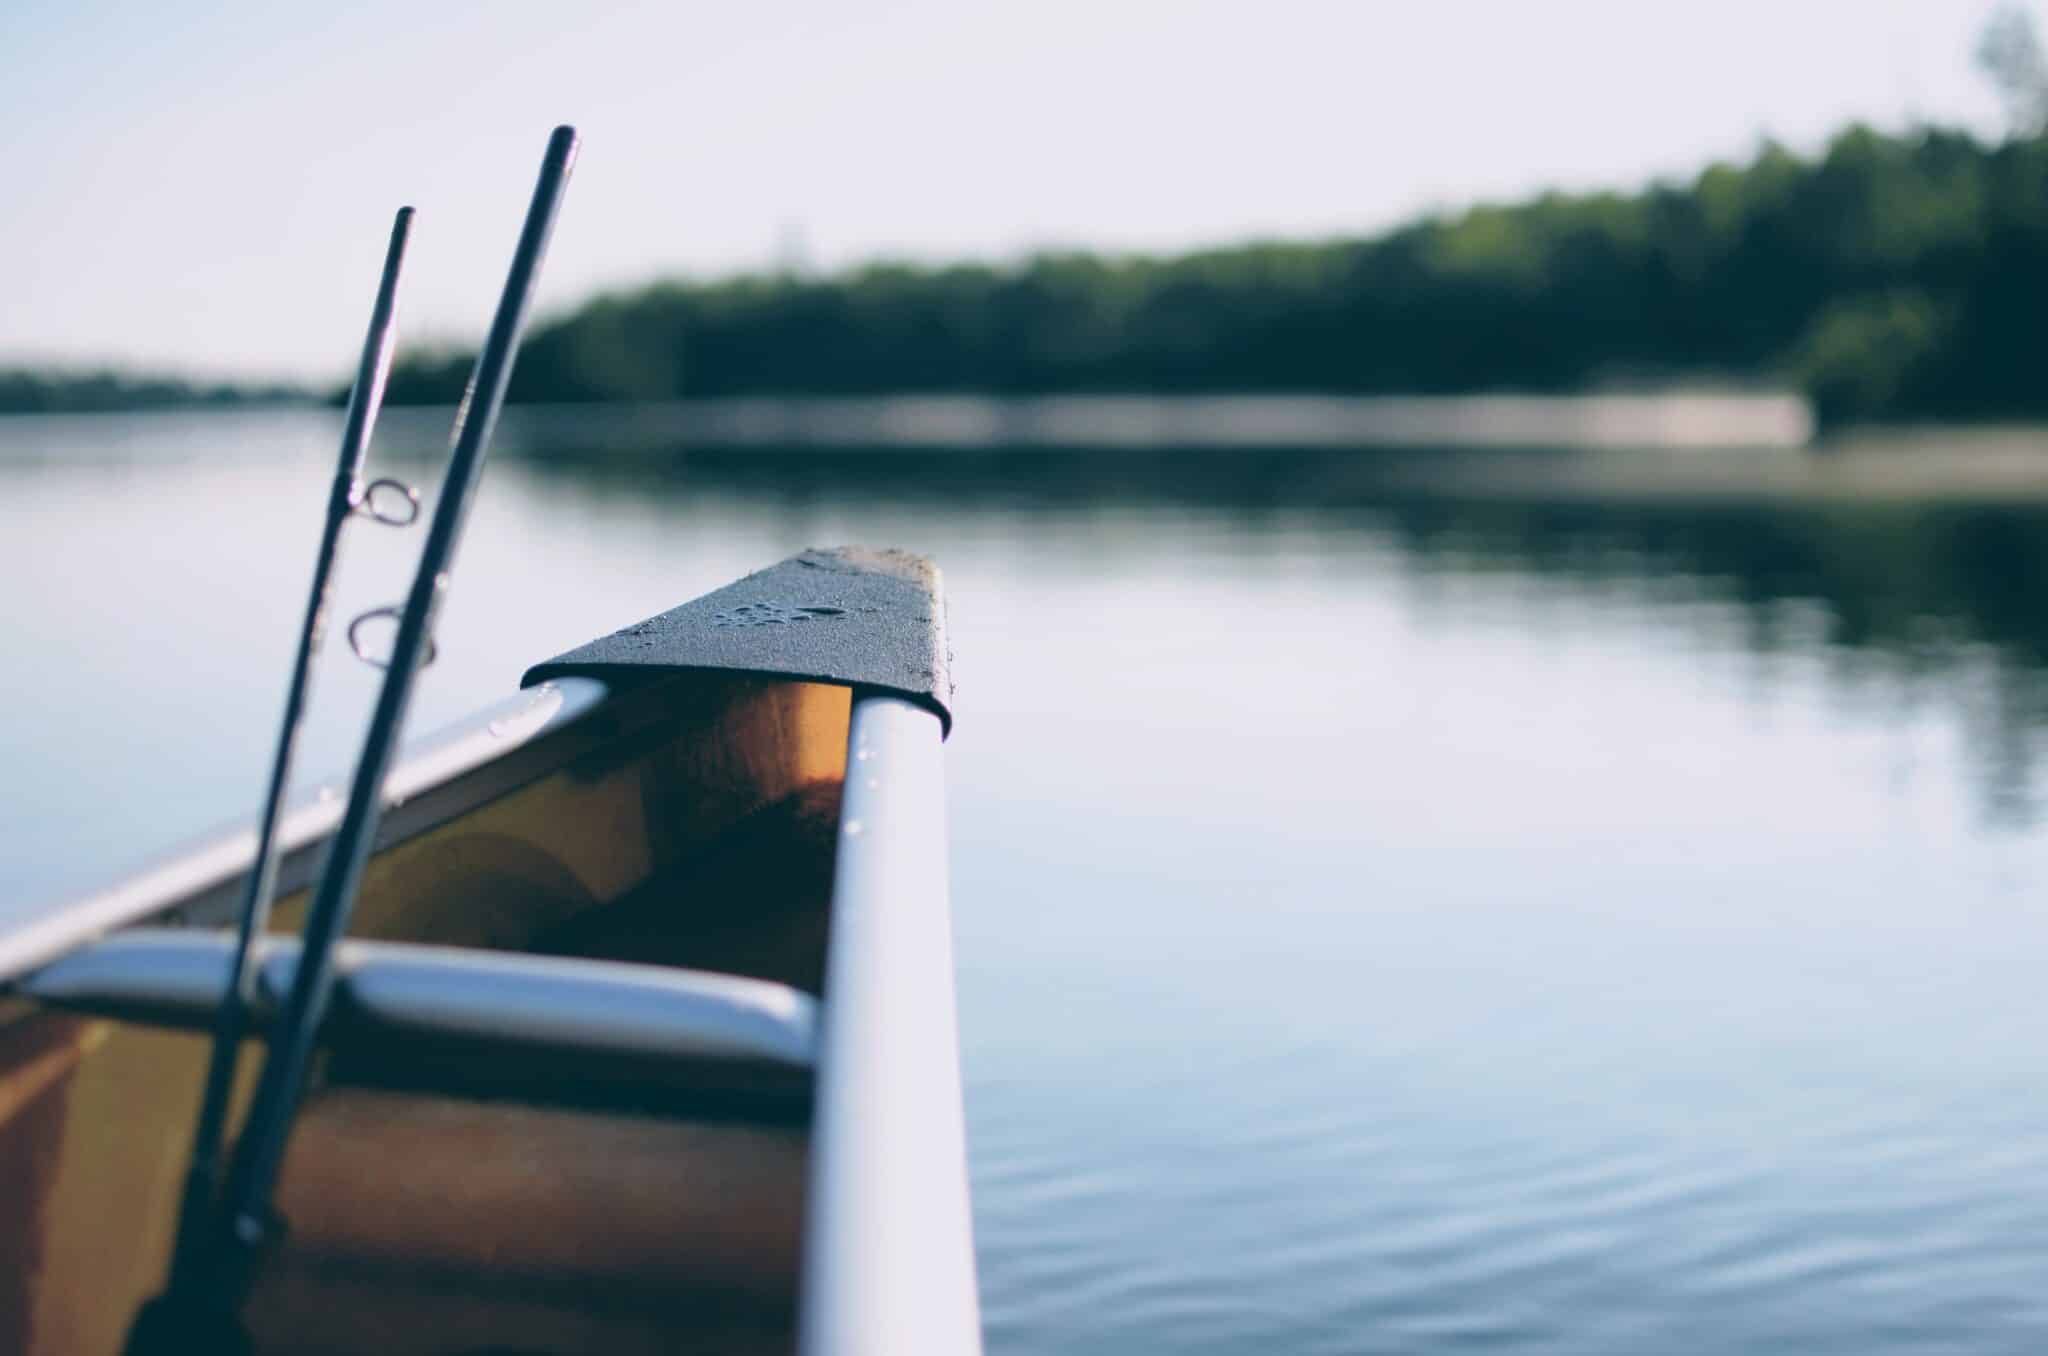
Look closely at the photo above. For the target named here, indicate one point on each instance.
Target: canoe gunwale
(888, 1259)
(441, 776)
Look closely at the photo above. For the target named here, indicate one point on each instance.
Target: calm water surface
(1390, 919)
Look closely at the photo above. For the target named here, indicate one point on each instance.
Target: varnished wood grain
(422, 1224)
(37, 1058)
(701, 834)
(755, 901)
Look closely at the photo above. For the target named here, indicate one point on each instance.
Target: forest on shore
(1889, 277)
(33, 391)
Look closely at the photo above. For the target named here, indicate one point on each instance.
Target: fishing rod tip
(401, 233)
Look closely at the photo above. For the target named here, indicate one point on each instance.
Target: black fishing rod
(386, 501)
(204, 1318)
(261, 1149)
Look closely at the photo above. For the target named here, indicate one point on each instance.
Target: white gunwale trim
(888, 1263)
(38, 935)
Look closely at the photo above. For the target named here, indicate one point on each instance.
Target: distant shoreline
(1244, 450)
(1674, 419)
(1891, 279)
(42, 391)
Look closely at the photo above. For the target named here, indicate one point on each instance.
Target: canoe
(644, 1036)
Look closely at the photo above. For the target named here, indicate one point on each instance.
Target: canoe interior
(442, 1203)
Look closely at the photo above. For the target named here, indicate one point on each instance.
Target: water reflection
(1405, 901)
(1905, 602)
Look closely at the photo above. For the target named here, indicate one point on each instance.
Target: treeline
(1890, 277)
(25, 391)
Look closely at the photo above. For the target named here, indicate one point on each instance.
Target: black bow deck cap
(851, 615)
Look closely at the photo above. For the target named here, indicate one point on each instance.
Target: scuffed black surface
(872, 619)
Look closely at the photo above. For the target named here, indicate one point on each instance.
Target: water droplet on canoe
(853, 827)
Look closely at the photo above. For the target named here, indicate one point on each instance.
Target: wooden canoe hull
(685, 822)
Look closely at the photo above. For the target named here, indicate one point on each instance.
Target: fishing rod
(228, 1249)
(386, 501)
(260, 1151)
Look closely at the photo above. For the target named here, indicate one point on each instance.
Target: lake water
(1406, 901)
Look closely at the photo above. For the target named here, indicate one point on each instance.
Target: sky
(206, 189)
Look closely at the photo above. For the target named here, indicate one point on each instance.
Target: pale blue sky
(207, 189)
